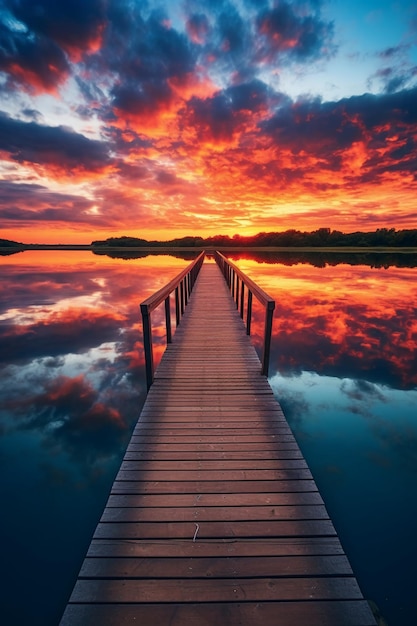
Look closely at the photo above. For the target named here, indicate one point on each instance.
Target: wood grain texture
(214, 516)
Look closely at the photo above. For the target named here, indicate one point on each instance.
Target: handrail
(183, 284)
(236, 281)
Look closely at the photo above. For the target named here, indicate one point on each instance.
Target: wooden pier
(214, 518)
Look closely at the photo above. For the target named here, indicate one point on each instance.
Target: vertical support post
(168, 320)
(177, 306)
(237, 291)
(269, 312)
(233, 282)
(242, 299)
(147, 344)
(185, 281)
(182, 297)
(249, 312)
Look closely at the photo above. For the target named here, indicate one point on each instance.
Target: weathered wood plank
(213, 486)
(220, 529)
(214, 513)
(220, 464)
(313, 613)
(214, 499)
(250, 474)
(216, 567)
(216, 590)
(272, 546)
(212, 455)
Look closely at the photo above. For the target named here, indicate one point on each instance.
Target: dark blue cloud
(325, 129)
(221, 115)
(60, 336)
(36, 62)
(148, 56)
(48, 145)
(72, 24)
(288, 29)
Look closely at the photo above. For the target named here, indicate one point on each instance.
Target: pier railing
(240, 286)
(182, 285)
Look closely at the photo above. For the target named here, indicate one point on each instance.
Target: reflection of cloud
(355, 339)
(293, 403)
(362, 390)
(71, 331)
(70, 414)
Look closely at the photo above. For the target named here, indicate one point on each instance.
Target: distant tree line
(322, 238)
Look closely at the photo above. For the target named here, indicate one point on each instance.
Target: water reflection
(344, 367)
(72, 372)
(354, 322)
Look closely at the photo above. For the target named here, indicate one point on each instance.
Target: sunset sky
(165, 119)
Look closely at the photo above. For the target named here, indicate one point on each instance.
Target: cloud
(36, 64)
(198, 28)
(76, 26)
(56, 147)
(372, 126)
(229, 111)
(151, 59)
(22, 203)
(288, 29)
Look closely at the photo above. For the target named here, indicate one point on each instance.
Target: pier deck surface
(214, 518)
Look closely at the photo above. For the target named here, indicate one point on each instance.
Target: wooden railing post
(182, 297)
(269, 312)
(242, 299)
(147, 343)
(168, 319)
(177, 306)
(249, 313)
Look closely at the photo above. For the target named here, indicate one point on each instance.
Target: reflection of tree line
(321, 259)
(121, 254)
(317, 259)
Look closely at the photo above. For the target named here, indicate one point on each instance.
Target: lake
(343, 366)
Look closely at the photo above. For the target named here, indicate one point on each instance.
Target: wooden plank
(186, 530)
(235, 439)
(312, 613)
(214, 445)
(216, 590)
(273, 546)
(212, 486)
(204, 475)
(214, 499)
(215, 567)
(214, 513)
(218, 464)
(173, 455)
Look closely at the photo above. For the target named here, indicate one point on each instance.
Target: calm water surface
(343, 365)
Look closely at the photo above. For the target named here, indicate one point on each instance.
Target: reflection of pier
(214, 518)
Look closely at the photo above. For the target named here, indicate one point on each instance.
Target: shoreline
(150, 249)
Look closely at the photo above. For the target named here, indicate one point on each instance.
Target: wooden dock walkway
(214, 518)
